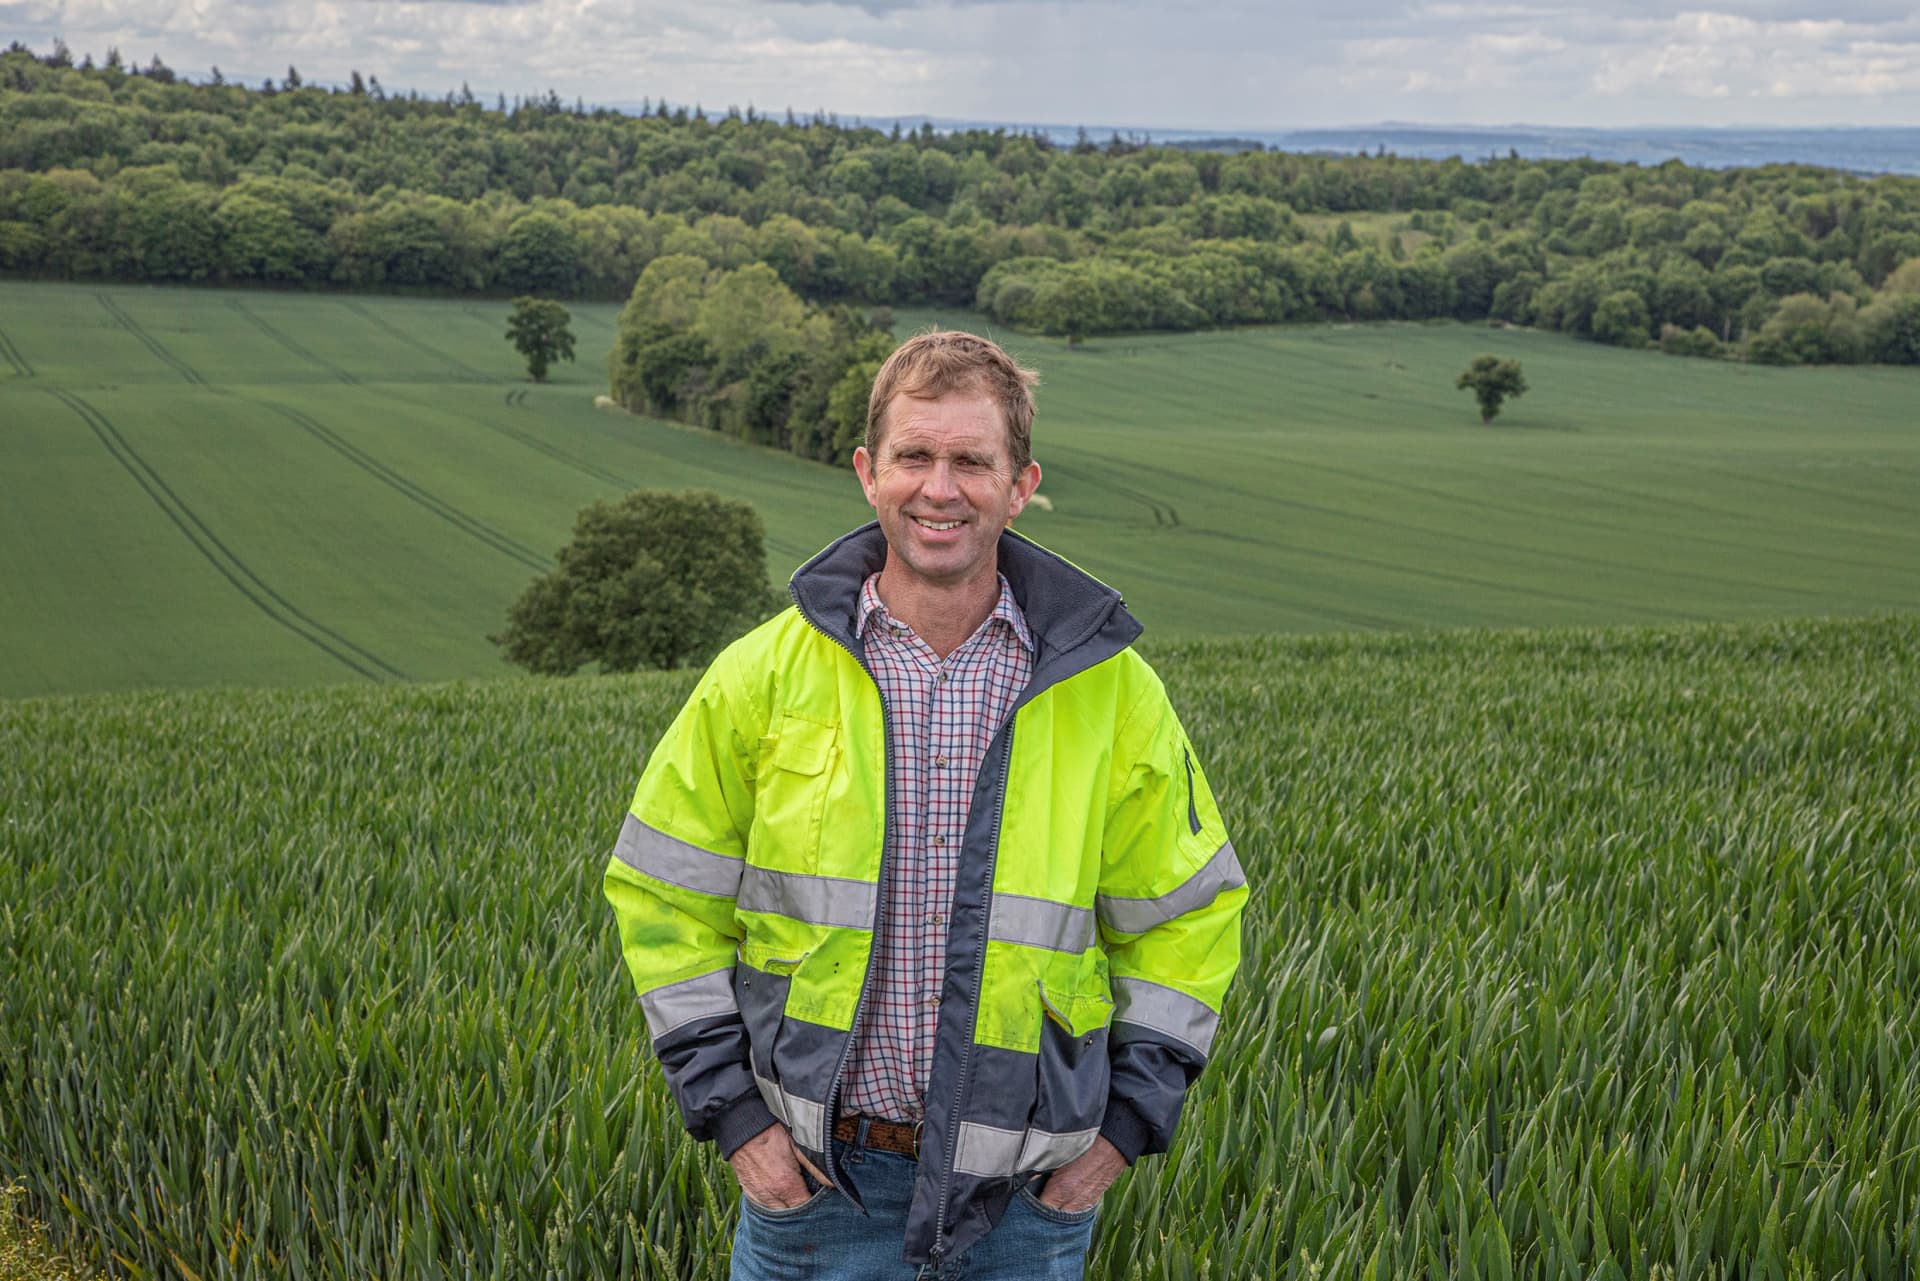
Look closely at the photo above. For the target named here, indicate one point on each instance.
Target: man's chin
(936, 569)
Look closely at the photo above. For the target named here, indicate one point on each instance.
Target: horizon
(1230, 66)
(488, 97)
(1864, 149)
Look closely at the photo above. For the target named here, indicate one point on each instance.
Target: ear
(1023, 487)
(863, 468)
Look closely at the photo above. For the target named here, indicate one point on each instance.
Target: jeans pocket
(1065, 1218)
(773, 1215)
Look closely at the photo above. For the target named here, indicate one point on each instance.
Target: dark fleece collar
(1076, 619)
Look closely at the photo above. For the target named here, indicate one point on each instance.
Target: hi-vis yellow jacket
(1094, 927)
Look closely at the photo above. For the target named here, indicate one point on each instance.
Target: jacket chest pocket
(790, 803)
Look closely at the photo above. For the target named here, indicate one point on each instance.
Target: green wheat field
(1571, 954)
(205, 487)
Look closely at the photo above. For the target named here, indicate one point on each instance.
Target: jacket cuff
(1126, 1129)
(741, 1121)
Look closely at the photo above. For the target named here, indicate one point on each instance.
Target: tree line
(112, 172)
(739, 352)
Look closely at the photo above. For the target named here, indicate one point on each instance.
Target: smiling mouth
(939, 526)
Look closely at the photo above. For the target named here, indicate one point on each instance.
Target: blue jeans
(825, 1239)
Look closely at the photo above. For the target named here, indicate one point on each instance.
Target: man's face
(943, 485)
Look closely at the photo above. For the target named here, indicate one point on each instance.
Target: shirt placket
(917, 873)
(943, 852)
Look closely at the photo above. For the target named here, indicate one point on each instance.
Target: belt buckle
(918, 1126)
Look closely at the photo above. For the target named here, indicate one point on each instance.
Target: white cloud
(1717, 55)
(1446, 12)
(1102, 62)
(1521, 45)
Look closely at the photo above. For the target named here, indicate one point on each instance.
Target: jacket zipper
(936, 1251)
(832, 1100)
(979, 973)
(1193, 810)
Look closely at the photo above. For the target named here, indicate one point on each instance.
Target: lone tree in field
(655, 580)
(538, 330)
(1492, 380)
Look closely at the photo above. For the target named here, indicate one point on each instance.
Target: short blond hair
(930, 365)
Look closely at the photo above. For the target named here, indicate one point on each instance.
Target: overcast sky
(1097, 62)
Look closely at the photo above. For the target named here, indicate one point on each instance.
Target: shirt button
(943, 678)
(933, 1002)
(939, 840)
(939, 761)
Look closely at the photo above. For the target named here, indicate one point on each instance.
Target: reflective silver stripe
(989, 1152)
(805, 1119)
(1163, 1010)
(670, 859)
(1045, 1150)
(1138, 915)
(986, 1150)
(818, 900)
(1040, 922)
(677, 1004)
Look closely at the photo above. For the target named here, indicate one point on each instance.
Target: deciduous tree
(1622, 319)
(1892, 326)
(1806, 329)
(538, 330)
(657, 579)
(540, 252)
(1492, 380)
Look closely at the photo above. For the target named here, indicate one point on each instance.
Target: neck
(943, 616)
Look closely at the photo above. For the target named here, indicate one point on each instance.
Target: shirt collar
(1006, 609)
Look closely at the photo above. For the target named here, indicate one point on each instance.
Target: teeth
(938, 524)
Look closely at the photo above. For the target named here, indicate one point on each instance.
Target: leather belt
(882, 1136)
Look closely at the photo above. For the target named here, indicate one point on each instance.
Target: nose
(939, 486)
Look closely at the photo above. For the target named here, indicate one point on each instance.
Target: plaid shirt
(941, 718)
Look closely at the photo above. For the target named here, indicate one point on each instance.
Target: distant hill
(1858, 150)
(110, 175)
(279, 488)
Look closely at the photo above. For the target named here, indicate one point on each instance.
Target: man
(929, 905)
